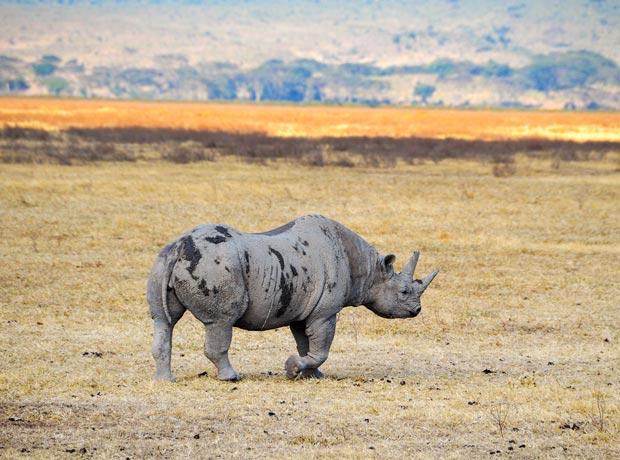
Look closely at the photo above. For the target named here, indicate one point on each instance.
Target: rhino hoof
(164, 378)
(228, 375)
(311, 374)
(293, 367)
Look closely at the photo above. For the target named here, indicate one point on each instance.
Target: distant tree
(494, 69)
(310, 65)
(572, 69)
(52, 59)
(56, 85)
(73, 65)
(141, 76)
(43, 69)
(222, 88)
(424, 91)
(276, 81)
(365, 70)
(17, 84)
(442, 67)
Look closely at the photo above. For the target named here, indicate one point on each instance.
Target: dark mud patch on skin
(203, 287)
(278, 255)
(277, 231)
(293, 271)
(297, 248)
(223, 230)
(191, 253)
(285, 297)
(215, 239)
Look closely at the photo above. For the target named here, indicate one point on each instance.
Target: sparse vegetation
(23, 145)
(499, 412)
(188, 152)
(27, 145)
(598, 414)
(504, 166)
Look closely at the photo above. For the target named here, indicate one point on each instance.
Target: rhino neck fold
(360, 287)
(362, 258)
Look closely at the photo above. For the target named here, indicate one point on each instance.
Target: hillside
(455, 53)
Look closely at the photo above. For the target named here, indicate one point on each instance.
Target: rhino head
(397, 295)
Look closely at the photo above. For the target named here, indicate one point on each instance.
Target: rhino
(300, 275)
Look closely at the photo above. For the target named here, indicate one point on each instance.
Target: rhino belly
(278, 282)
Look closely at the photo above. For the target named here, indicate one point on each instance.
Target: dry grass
(522, 323)
(319, 121)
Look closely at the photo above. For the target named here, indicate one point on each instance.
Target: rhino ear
(387, 263)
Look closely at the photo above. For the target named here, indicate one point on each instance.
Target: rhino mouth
(415, 313)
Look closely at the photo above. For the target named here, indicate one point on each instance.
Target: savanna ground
(515, 352)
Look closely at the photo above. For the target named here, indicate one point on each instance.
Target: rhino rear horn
(410, 267)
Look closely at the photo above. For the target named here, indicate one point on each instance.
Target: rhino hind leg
(301, 339)
(162, 336)
(320, 334)
(217, 343)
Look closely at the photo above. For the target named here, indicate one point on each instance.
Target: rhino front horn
(426, 281)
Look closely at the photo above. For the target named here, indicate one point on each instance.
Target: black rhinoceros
(298, 275)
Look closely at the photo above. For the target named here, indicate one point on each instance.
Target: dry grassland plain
(515, 353)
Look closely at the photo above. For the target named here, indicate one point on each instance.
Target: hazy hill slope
(249, 32)
(108, 39)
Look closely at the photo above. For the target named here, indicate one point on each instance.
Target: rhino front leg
(217, 343)
(301, 339)
(320, 333)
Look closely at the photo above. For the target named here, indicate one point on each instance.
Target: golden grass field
(312, 121)
(529, 290)
(515, 353)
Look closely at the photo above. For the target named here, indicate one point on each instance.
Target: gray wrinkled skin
(299, 275)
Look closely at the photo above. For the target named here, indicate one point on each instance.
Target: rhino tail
(169, 262)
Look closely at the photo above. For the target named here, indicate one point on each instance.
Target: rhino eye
(404, 291)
